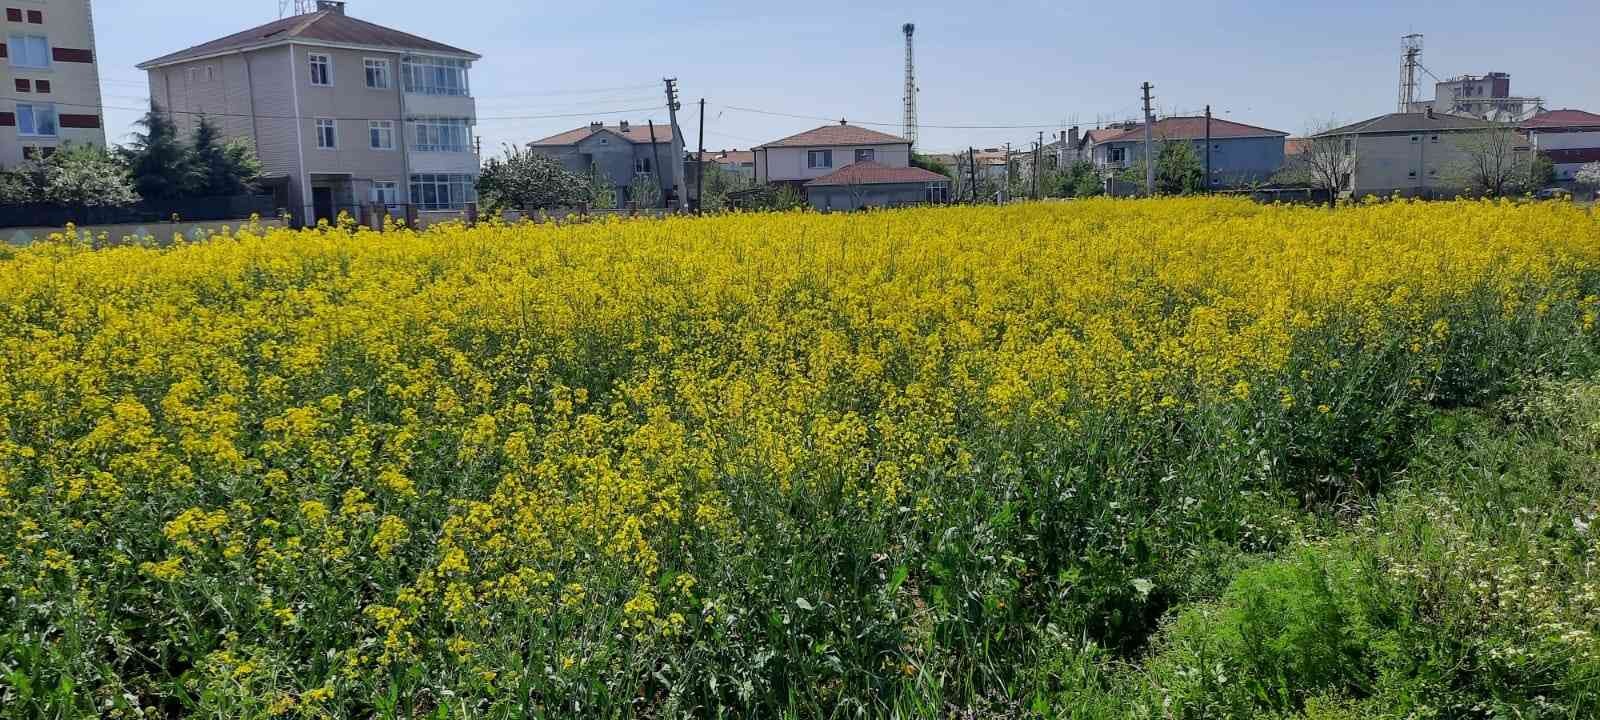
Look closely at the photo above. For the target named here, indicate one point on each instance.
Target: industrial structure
(909, 131)
(1410, 50)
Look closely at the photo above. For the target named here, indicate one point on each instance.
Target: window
(36, 17)
(1416, 138)
(1413, 173)
(641, 166)
(41, 86)
(385, 192)
(205, 73)
(30, 51)
(382, 134)
(1349, 146)
(36, 120)
(327, 135)
(23, 85)
(866, 155)
(1435, 138)
(434, 75)
(819, 158)
(442, 192)
(938, 193)
(441, 134)
(377, 74)
(33, 152)
(321, 69)
(1116, 154)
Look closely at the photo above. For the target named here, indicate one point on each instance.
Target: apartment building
(49, 78)
(620, 153)
(1411, 154)
(345, 115)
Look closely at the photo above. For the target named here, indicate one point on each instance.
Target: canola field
(923, 463)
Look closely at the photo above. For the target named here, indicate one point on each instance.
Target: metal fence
(184, 210)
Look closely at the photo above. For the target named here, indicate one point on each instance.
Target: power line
(260, 116)
(1023, 126)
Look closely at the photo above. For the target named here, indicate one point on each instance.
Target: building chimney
(596, 126)
(334, 6)
(624, 126)
(1429, 112)
(1072, 136)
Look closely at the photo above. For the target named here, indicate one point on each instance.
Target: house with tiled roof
(1570, 138)
(1239, 153)
(620, 153)
(346, 115)
(806, 156)
(1414, 154)
(869, 184)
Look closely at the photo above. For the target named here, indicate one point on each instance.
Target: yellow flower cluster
(460, 426)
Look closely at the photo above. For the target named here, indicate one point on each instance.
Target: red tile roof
(871, 173)
(1573, 155)
(1561, 119)
(1192, 128)
(1296, 146)
(840, 134)
(638, 134)
(730, 157)
(325, 25)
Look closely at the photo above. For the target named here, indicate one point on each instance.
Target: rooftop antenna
(910, 129)
(1410, 50)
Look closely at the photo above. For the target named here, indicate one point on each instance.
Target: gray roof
(325, 26)
(1409, 122)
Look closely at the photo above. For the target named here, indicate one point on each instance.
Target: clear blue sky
(997, 62)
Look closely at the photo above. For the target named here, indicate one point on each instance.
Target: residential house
(1412, 154)
(345, 115)
(1239, 154)
(870, 184)
(621, 153)
(1570, 138)
(50, 79)
(737, 162)
(801, 158)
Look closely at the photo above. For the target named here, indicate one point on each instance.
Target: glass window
(819, 159)
(428, 75)
(867, 155)
(382, 134)
(321, 69)
(31, 51)
(642, 166)
(327, 134)
(377, 74)
(442, 191)
(36, 120)
(385, 192)
(441, 134)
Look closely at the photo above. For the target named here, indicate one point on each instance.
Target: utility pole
(1005, 190)
(972, 169)
(1149, 157)
(655, 169)
(700, 165)
(1208, 148)
(677, 143)
(1038, 161)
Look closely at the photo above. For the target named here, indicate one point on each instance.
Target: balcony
(425, 105)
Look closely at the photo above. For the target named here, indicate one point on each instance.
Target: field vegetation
(1183, 458)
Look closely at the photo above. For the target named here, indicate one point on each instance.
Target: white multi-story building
(344, 114)
(49, 77)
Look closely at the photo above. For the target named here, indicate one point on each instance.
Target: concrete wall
(353, 105)
(844, 198)
(1414, 163)
(74, 86)
(781, 164)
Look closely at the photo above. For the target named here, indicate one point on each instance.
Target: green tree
(86, 175)
(931, 164)
(163, 168)
(1179, 170)
(1086, 180)
(602, 194)
(222, 167)
(526, 180)
(644, 192)
(1541, 172)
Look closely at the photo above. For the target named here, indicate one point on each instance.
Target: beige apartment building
(1412, 154)
(345, 115)
(49, 77)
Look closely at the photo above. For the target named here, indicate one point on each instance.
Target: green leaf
(901, 572)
